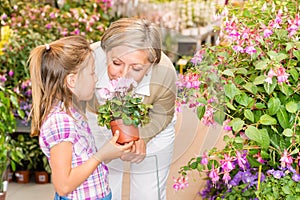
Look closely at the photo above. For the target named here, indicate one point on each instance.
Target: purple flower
(4, 17)
(278, 174)
(296, 177)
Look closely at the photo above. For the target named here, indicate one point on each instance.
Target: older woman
(132, 48)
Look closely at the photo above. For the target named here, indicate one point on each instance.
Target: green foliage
(258, 89)
(282, 188)
(34, 24)
(123, 104)
(7, 126)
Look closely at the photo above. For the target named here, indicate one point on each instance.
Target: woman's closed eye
(137, 67)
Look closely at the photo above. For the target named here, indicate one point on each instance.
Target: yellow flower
(5, 35)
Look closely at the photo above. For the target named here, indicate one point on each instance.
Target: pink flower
(226, 177)
(271, 73)
(250, 50)
(241, 159)
(286, 159)
(11, 73)
(227, 162)
(238, 48)
(204, 160)
(208, 118)
(225, 125)
(267, 33)
(264, 7)
(282, 76)
(180, 183)
(213, 175)
(259, 158)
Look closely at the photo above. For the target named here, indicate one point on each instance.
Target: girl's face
(127, 62)
(86, 80)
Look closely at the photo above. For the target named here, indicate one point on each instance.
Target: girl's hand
(112, 149)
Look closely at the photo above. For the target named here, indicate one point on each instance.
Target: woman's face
(127, 62)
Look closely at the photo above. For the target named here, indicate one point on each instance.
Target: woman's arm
(162, 97)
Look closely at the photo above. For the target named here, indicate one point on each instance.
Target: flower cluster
(249, 83)
(119, 101)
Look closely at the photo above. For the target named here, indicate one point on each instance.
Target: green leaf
(219, 116)
(277, 56)
(269, 88)
(273, 105)
(291, 107)
(228, 72)
(294, 73)
(283, 118)
(262, 64)
(231, 90)
(289, 46)
(260, 136)
(236, 124)
(230, 106)
(251, 88)
(200, 111)
(249, 115)
(243, 99)
(296, 53)
(259, 80)
(267, 120)
(286, 89)
(260, 105)
(288, 132)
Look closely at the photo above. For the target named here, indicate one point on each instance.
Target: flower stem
(259, 177)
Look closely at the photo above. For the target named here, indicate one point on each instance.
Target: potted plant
(250, 84)
(41, 166)
(122, 109)
(28, 146)
(8, 101)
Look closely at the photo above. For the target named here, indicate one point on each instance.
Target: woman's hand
(137, 153)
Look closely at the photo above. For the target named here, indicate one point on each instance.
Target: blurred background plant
(27, 24)
(249, 83)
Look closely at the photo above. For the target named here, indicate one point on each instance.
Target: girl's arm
(65, 178)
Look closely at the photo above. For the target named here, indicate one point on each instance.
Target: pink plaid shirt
(60, 127)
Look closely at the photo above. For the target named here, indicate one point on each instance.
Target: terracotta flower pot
(127, 133)
(2, 195)
(22, 176)
(41, 177)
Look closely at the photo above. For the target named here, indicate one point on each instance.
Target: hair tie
(47, 47)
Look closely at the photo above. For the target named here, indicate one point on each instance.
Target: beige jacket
(162, 97)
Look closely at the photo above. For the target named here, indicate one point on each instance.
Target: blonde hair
(49, 66)
(139, 34)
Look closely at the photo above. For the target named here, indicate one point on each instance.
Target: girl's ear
(71, 81)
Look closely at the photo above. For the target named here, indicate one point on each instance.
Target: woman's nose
(124, 71)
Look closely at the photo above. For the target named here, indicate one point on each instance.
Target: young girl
(63, 79)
